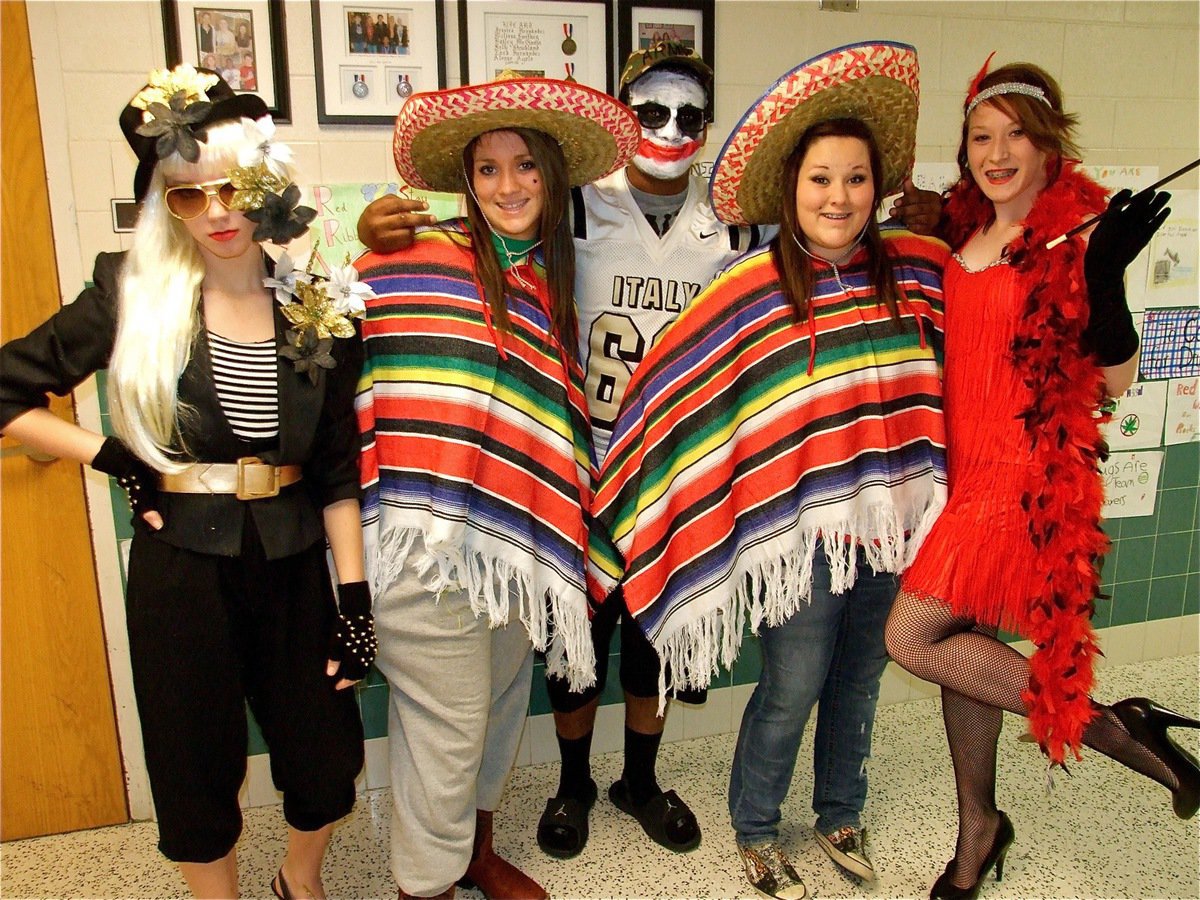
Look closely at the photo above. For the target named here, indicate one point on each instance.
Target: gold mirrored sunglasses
(186, 201)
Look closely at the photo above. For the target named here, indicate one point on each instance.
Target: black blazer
(318, 429)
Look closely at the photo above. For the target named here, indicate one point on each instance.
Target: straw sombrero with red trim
(597, 133)
(876, 82)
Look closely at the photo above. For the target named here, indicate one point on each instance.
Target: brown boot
(497, 878)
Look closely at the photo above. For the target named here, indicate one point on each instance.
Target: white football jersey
(630, 284)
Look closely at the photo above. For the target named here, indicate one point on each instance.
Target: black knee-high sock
(575, 774)
(641, 753)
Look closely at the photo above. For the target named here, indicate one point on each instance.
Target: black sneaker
(771, 872)
(848, 848)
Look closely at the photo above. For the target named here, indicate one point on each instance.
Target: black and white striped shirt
(245, 378)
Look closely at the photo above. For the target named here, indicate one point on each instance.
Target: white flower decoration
(265, 151)
(287, 276)
(347, 294)
(164, 83)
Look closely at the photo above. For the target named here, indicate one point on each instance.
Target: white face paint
(666, 152)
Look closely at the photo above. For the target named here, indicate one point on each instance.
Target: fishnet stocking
(981, 676)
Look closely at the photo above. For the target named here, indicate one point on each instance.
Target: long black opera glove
(353, 640)
(138, 479)
(1116, 241)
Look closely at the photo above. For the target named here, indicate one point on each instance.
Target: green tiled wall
(1152, 572)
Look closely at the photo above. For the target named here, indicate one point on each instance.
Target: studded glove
(139, 480)
(353, 640)
(1114, 244)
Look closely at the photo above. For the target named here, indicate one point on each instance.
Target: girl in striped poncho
(476, 457)
(780, 453)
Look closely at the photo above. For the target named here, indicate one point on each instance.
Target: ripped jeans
(831, 650)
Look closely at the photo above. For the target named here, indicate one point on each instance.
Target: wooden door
(60, 765)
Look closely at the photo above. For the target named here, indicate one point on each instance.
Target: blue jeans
(831, 650)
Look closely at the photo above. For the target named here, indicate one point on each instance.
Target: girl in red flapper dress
(1036, 338)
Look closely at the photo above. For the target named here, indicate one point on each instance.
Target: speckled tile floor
(1103, 833)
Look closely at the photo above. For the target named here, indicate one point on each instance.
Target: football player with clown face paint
(671, 104)
(646, 243)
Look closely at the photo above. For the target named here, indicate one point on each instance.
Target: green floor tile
(1166, 597)
(1140, 526)
(1191, 594)
(1171, 554)
(255, 742)
(748, 665)
(1130, 602)
(1177, 509)
(1181, 468)
(612, 692)
(373, 702)
(1135, 559)
(539, 699)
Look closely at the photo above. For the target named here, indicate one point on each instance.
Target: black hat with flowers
(172, 113)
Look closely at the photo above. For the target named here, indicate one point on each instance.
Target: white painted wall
(1128, 68)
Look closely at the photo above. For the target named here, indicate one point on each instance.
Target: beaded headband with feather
(976, 96)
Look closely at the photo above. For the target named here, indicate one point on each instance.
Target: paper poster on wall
(1116, 177)
(338, 206)
(1173, 252)
(1172, 257)
(1182, 411)
(935, 176)
(1137, 422)
(1130, 484)
(1170, 344)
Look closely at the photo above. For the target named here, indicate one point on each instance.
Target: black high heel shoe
(1147, 723)
(945, 888)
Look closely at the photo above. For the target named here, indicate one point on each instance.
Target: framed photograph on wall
(641, 23)
(372, 56)
(243, 40)
(567, 39)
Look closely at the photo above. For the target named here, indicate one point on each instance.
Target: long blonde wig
(159, 310)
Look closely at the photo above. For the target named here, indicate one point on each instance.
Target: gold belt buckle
(256, 480)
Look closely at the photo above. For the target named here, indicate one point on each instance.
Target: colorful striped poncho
(730, 460)
(477, 440)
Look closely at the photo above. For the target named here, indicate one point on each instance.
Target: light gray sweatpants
(459, 697)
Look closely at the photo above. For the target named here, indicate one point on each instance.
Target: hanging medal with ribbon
(403, 85)
(568, 45)
(359, 88)
(570, 67)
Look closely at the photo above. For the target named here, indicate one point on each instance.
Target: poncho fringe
(492, 584)
(777, 578)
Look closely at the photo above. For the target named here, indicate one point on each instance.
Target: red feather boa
(1062, 492)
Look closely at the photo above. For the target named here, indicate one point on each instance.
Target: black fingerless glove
(353, 640)
(1118, 238)
(139, 480)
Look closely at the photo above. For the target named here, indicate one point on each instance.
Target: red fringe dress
(1019, 541)
(977, 555)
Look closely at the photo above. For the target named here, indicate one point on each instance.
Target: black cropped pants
(209, 634)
